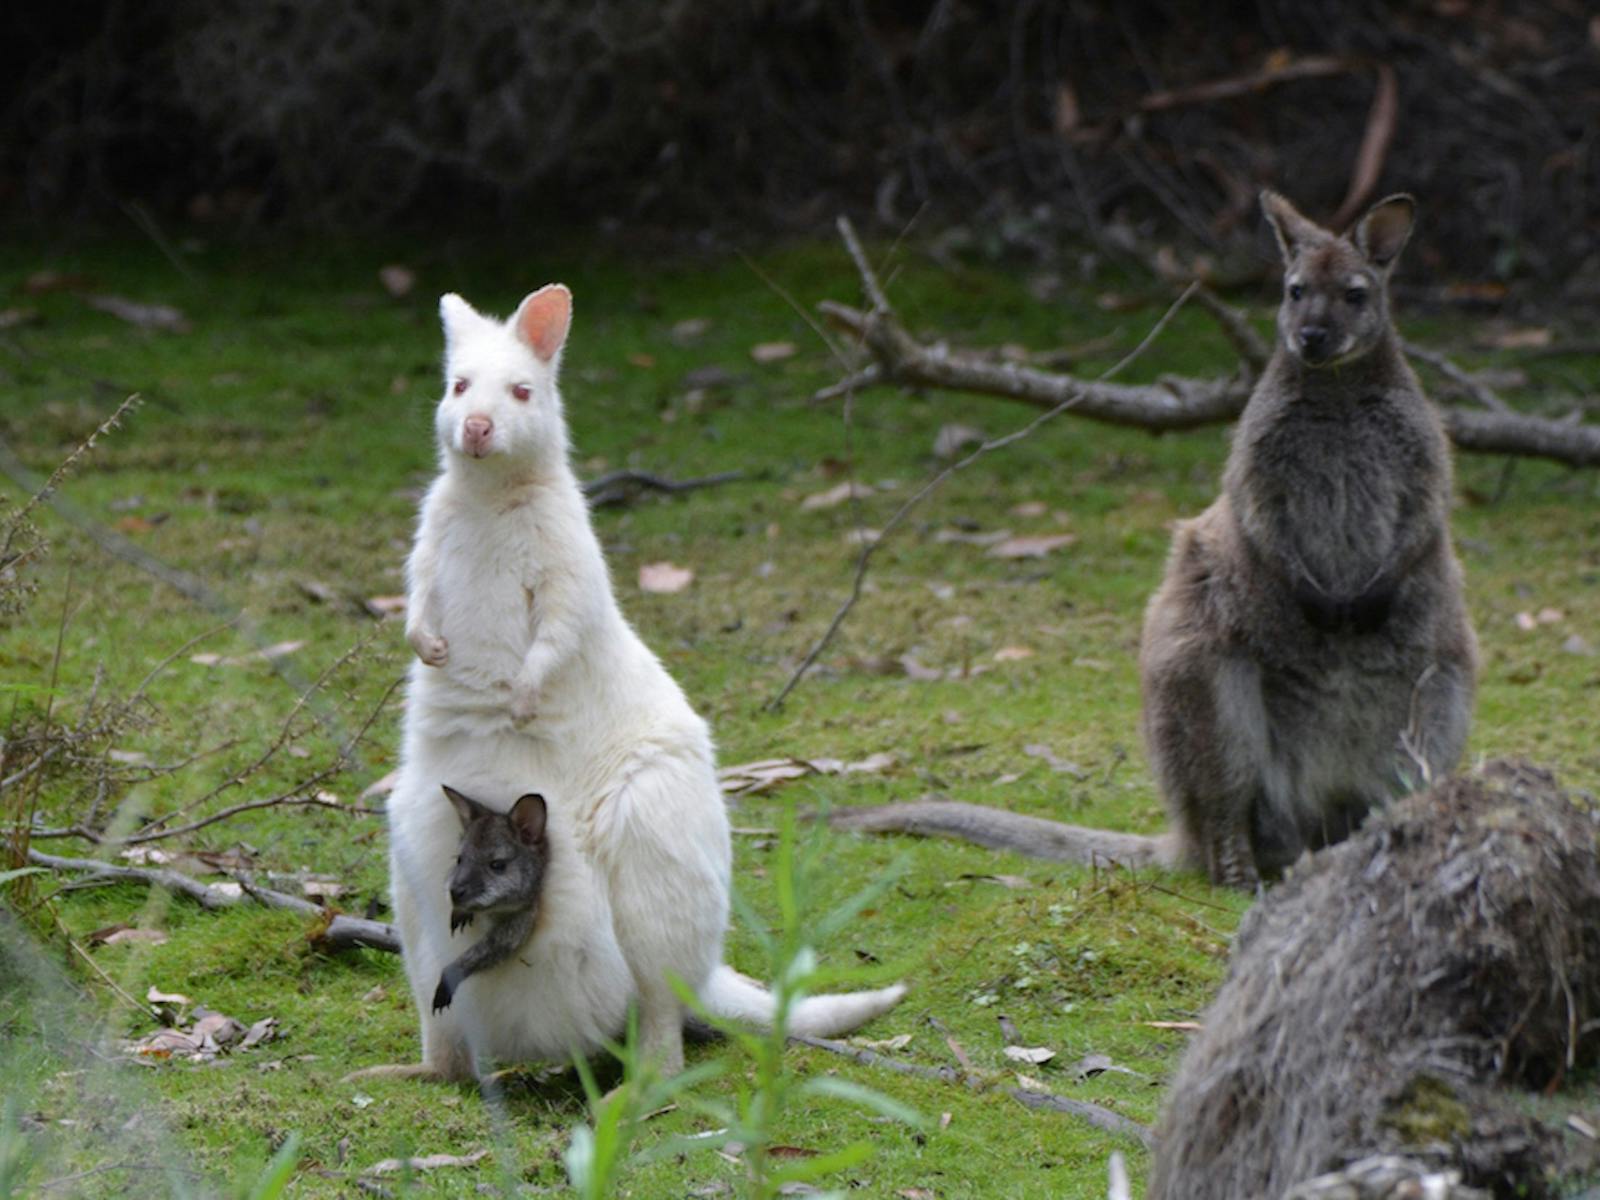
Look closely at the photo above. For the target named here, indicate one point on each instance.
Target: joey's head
(501, 405)
(500, 866)
(1336, 287)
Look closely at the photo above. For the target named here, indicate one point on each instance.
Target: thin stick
(1470, 384)
(1097, 1115)
(868, 548)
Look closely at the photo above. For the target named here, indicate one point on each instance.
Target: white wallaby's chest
(489, 576)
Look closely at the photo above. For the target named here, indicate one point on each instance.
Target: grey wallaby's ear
(1292, 230)
(466, 807)
(528, 815)
(1383, 232)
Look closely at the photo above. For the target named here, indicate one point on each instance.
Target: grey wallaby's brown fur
(1308, 655)
(1404, 993)
(499, 872)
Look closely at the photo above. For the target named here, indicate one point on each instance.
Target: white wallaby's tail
(740, 998)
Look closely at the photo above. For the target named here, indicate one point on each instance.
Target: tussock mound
(1393, 992)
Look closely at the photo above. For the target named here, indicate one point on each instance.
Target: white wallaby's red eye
(521, 391)
(460, 386)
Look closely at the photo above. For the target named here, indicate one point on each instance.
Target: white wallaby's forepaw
(524, 703)
(432, 649)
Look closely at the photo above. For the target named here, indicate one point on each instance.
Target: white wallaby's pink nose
(476, 433)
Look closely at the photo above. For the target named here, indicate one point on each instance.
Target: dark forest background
(1019, 118)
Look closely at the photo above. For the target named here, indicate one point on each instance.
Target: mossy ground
(283, 440)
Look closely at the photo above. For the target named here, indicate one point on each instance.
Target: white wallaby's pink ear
(456, 315)
(1292, 230)
(1386, 228)
(542, 320)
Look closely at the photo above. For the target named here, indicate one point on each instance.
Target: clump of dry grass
(1393, 991)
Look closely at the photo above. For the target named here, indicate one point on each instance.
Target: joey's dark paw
(459, 920)
(443, 994)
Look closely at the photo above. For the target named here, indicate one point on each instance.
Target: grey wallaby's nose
(1313, 339)
(476, 431)
(457, 896)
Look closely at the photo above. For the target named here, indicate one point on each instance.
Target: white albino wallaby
(528, 678)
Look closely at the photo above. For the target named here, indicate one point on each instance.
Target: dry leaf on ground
(951, 438)
(385, 606)
(664, 578)
(771, 352)
(146, 316)
(1012, 653)
(1031, 546)
(397, 280)
(381, 787)
(266, 654)
(1036, 1055)
(835, 496)
(751, 778)
(426, 1162)
(1054, 761)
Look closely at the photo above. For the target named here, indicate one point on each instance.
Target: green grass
(283, 440)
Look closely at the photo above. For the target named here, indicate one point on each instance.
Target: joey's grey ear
(528, 815)
(543, 318)
(456, 315)
(1292, 230)
(466, 807)
(1383, 232)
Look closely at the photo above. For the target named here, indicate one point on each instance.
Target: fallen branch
(338, 932)
(207, 895)
(1097, 1115)
(622, 487)
(1174, 403)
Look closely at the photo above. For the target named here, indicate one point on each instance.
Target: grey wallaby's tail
(1002, 830)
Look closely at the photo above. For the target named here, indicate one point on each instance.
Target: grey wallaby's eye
(1356, 297)
(497, 865)
(1296, 291)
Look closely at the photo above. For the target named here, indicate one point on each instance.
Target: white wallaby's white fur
(529, 679)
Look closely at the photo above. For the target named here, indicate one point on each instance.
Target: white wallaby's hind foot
(740, 998)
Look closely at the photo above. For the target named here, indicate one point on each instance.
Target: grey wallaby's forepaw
(459, 920)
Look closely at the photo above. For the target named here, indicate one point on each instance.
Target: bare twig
(1097, 1115)
(620, 487)
(206, 895)
(882, 317)
(1463, 379)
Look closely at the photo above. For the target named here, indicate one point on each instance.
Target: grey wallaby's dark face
(501, 864)
(1336, 288)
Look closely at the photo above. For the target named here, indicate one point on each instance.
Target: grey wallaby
(1308, 655)
(499, 872)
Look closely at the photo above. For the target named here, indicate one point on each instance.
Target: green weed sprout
(597, 1156)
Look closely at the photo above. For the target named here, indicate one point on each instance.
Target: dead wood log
(1402, 993)
(1173, 402)
(337, 931)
